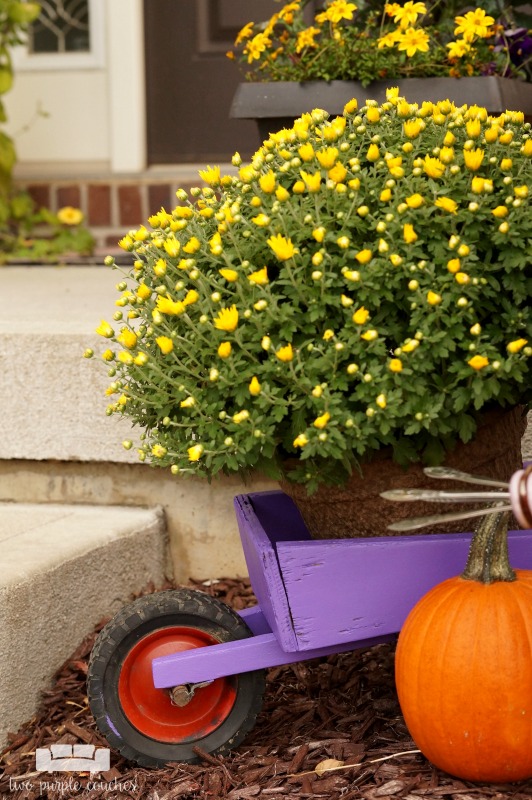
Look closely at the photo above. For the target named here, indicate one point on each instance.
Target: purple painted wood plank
(340, 590)
(232, 658)
(255, 620)
(264, 573)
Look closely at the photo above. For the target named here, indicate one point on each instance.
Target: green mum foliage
(363, 283)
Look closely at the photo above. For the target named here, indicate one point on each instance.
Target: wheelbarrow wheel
(144, 723)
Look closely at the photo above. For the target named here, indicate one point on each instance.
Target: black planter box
(275, 105)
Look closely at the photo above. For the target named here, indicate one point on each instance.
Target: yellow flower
(321, 422)
(227, 319)
(267, 182)
(473, 128)
(410, 345)
(159, 451)
(337, 173)
(481, 185)
(500, 211)
(126, 242)
(328, 335)
(385, 195)
(282, 194)
(215, 244)
(319, 234)
(192, 246)
(414, 201)
(459, 48)
(312, 181)
(433, 298)
(301, 440)
(433, 167)
(521, 191)
(195, 452)
(125, 358)
(254, 386)
(230, 275)
(453, 265)
(516, 345)
(412, 128)
(506, 164)
(447, 204)
(165, 344)
(165, 305)
(351, 106)
(478, 362)
(70, 216)
(462, 278)
(364, 256)
(108, 355)
(188, 402)
(327, 157)
(211, 175)
(406, 14)
(285, 353)
(104, 329)
(127, 338)
(361, 316)
(144, 291)
(172, 246)
(527, 148)
(412, 41)
(369, 336)
(306, 152)
(224, 349)
(473, 24)
(446, 155)
(261, 220)
(240, 416)
(373, 153)
(395, 365)
(473, 159)
(260, 277)
(381, 401)
(409, 234)
(282, 247)
(373, 114)
(191, 297)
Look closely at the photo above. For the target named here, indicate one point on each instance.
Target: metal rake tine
(421, 522)
(465, 477)
(437, 496)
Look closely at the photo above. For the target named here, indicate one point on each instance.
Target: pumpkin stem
(488, 561)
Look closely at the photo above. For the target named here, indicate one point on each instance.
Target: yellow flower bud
(254, 386)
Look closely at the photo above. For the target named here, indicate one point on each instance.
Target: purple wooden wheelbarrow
(158, 693)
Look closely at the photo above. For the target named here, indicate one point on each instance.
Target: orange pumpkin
(464, 666)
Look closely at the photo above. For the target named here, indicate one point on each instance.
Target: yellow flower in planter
(165, 344)
(516, 345)
(478, 362)
(436, 249)
(285, 353)
(227, 319)
(195, 452)
(282, 247)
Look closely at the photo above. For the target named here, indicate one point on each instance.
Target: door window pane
(62, 27)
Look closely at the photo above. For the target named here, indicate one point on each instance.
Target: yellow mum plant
(382, 300)
(369, 41)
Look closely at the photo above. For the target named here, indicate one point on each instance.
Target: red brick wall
(111, 208)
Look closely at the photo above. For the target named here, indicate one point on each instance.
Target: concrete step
(63, 568)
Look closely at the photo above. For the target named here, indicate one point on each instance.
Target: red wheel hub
(151, 711)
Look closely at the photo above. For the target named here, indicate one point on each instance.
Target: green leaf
(6, 80)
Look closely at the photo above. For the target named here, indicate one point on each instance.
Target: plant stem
(487, 561)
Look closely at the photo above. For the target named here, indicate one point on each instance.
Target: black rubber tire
(185, 607)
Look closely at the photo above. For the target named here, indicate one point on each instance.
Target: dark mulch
(342, 707)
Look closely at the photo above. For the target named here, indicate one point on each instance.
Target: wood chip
(341, 708)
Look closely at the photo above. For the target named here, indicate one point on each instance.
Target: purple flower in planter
(518, 42)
